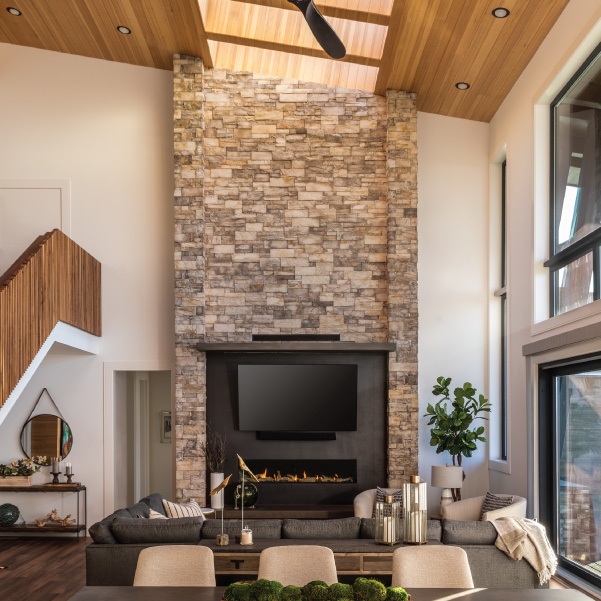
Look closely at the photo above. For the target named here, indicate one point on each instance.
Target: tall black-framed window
(570, 463)
(575, 212)
(502, 293)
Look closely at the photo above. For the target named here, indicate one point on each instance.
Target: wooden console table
(51, 488)
(280, 512)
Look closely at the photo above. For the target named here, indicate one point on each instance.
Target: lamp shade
(447, 476)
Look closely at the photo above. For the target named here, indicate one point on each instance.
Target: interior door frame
(108, 469)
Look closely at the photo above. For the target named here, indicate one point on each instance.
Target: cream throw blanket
(522, 538)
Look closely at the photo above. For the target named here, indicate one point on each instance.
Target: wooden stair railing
(53, 280)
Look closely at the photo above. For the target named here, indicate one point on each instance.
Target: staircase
(53, 283)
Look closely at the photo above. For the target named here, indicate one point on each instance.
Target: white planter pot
(216, 500)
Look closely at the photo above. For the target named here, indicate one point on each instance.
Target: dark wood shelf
(77, 487)
(306, 512)
(47, 528)
(296, 347)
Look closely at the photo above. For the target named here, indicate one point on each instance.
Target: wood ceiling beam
(329, 11)
(192, 8)
(396, 35)
(290, 49)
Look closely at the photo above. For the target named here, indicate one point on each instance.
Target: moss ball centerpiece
(363, 589)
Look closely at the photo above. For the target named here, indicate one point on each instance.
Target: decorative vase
(10, 481)
(9, 514)
(217, 499)
(250, 495)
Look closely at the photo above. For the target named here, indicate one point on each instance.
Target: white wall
(521, 124)
(106, 127)
(453, 275)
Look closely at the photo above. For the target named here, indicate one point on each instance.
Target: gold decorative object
(415, 512)
(222, 539)
(221, 486)
(55, 519)
(245, 468)
(388, 521)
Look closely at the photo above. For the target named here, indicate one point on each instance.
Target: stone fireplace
(295, 213)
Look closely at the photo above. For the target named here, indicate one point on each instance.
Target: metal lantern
(415, 512)
(388, 521)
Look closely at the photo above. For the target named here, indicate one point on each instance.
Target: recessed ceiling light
(500, 13)
(124, 30)
(462, 85)
(14, 11)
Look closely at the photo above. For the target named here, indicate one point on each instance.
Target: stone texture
(403, 409)
(296, 211)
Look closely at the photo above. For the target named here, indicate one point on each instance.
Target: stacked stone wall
(296, 212)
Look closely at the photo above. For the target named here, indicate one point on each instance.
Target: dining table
(215, 593)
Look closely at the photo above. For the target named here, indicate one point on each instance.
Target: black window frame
(503, 297)
(592, 241)
(548, 464)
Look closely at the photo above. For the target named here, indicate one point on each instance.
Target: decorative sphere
(250, 494)
(9, 514)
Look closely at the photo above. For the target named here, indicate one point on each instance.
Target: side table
(50, 488)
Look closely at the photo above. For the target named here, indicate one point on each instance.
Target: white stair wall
(62, 334)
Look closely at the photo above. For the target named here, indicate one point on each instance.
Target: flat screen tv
(297, 398)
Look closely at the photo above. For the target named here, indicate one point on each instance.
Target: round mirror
(46, 436)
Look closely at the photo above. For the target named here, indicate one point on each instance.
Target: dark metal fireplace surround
(333, 471)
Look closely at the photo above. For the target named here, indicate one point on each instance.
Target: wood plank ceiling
(422, 46)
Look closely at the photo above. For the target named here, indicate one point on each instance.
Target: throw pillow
(381, 495)
(154, 515)
(185, 510)
(492, 502)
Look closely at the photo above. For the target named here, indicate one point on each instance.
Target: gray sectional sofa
(118, 539)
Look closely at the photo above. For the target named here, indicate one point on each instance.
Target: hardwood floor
(41, 569)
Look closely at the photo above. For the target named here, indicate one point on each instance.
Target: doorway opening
(142, 436)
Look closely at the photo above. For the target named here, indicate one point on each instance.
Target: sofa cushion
(270, 529)
(101, 531)
(368, 529)
(154, 501)
(459, 532)
(144, 531)
(182, 510)
(492, 502)
(382, 493)
(342, 528)
(138, 509)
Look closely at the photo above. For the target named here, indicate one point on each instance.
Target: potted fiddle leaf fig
(452, 428)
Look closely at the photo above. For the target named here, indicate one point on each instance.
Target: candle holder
(388, 521)
(415, 512)
(70, 478)
(56, 475)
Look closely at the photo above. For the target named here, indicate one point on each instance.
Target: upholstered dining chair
(437, 566)
(175, 565)
(298, 564)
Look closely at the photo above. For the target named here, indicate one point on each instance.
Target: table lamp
(447, 477)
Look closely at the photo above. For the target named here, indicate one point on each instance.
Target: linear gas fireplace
(308, 471)
(297, 464)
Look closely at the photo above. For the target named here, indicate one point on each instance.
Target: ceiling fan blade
(321, 29)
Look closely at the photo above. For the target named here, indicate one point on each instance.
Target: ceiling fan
(321, 29)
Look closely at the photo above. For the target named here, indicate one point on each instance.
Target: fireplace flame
(265, 476)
